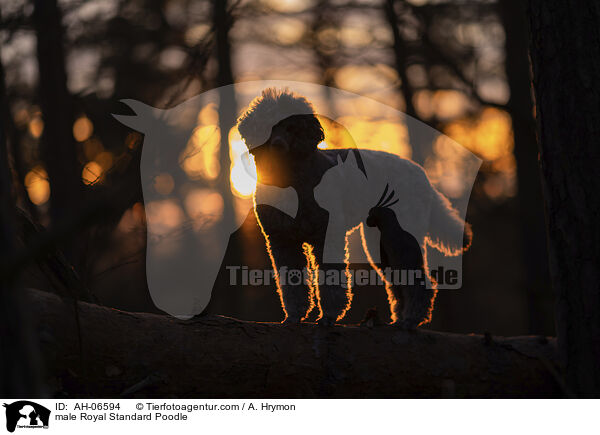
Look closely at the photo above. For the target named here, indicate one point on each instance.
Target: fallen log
(122, 354)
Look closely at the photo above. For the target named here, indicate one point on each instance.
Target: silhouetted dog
(335, 190)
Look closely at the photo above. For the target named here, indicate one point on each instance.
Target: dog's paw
(291, 320)
(407, 324)
(326, 321)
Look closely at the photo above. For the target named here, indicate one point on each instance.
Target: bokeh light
(36, 126)
(200, 159)
(164, 183)
(91, 173)
(204, 207)
(82, 129)
(163, 216)
(37, 185)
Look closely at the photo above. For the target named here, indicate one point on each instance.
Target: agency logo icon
(24, 414)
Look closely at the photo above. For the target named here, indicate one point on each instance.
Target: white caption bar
(262, 416)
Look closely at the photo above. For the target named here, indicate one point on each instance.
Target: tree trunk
(19, 376)
(405, 88)
(148, 355)
(536, 281)
(222, 22)
(58, 145)
(565, 56)
(400, 56)
(325, 17)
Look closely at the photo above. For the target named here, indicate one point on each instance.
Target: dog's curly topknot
(269, 109)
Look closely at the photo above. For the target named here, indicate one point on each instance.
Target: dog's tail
(448, 233)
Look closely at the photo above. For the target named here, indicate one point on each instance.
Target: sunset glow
(243, 184)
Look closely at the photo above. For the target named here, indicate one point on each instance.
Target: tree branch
(146, 355)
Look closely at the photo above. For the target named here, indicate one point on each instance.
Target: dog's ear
(281, 143)
(298, 135)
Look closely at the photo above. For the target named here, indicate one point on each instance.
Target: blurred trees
(446, 65)
(19, 367)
